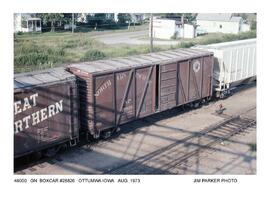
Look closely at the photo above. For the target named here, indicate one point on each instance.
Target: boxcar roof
(139, 60)
(42, 77)
(229, 44)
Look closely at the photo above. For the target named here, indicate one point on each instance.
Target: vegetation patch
(45, 50)
(93, 54)
(253, 147)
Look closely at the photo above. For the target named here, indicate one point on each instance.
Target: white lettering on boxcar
(19, 107)
(43, 114)
(18, 126)
(141, 76)
(35, 117)
(103, 87)
(26, 105)
(25, 120)
(121, 76)
(59, 106)
(33, 98)
(51, 110)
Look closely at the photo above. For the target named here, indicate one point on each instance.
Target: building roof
(226, 17)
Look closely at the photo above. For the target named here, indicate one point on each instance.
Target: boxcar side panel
(125, 96)
(145, 91)
(168, 86)
(44, 116)
(207, 76)
(103, 88)
(195, 81)
(183, 82)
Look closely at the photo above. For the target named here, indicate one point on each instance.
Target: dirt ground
(140, 139)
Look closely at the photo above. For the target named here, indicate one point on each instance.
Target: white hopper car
(234, 63)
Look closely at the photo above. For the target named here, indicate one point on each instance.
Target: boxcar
(235, 63)
(117, 91)
(45, 110)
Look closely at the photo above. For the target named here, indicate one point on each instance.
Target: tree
(101, 20)
(243, 15)
(124, 18)
(187, 16)
(253, 25)
(51, 18)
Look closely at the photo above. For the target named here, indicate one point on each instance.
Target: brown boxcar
(45, 110)
(116, 91)
(186, 80)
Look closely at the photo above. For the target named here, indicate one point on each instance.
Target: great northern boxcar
(116, 91)
(45, 110)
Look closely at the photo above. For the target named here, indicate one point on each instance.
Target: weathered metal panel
(115, 96)
(125, 96)
(183, 82)
(145, 91)
(168, 86)
(45, 110)
(208, 63)
(103, 103)
(195, 79)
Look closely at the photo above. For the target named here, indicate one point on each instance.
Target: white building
(26, 23)
(169, 28)
(220, 23)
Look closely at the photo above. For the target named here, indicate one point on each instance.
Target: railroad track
(167, 159)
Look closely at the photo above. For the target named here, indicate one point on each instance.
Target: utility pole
(72, 26)
(151, 32)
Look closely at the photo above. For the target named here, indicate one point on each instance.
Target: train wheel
(37, 155)
(222, 95)
(106, 134)
(52, 151)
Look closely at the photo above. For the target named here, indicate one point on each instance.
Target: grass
(253, 147)
(216, 38)
(44, 50)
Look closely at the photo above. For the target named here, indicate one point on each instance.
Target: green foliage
(253, 147)
(31, 54)
(187, 16)
(93, 54)
(186, 44)
(100, 20)
(44, 50)
(51, 18)
(124, 18)
(253, 25)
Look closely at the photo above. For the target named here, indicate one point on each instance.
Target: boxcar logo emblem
(196, 66)
(36, 117)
